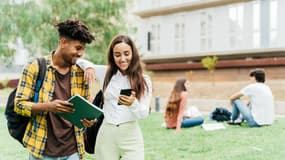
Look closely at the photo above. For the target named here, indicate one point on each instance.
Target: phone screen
(126, 92)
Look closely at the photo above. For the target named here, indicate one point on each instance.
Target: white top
(114, 113)
(192, 112)
(117, 114)
(100, 70)
(262, 102)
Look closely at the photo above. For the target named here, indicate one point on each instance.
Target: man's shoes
(234, 123)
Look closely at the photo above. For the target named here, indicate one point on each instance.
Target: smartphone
(126, 92)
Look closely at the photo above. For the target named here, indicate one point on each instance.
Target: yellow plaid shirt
(36, 136)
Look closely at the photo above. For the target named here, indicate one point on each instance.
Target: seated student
(176, 106)
(260, 108)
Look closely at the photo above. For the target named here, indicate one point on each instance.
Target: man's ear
(62, 42)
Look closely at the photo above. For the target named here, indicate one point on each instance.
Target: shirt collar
(119, 74)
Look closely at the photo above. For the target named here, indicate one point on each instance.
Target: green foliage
(4, 82)
(34, 22)
(210, 63)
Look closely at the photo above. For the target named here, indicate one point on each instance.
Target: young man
(48, 136)
(260, 108)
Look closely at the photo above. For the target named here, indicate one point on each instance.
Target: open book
(83, 110)
(213, 126)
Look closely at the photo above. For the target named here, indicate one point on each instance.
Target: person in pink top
(176, 106)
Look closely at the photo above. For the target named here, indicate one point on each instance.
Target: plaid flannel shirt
(36, 132)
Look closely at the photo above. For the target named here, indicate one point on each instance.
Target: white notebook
(213, 126)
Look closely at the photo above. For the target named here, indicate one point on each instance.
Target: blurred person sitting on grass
(176, 105)
(259, 109)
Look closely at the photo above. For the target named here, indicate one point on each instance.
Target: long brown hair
(172, 107)
(134, 71)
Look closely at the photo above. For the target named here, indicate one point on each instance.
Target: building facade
(174, 36)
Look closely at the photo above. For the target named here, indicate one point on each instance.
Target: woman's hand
(89, 75)
(127, 100)
(177, 130)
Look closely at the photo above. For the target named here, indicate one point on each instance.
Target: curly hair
(75, 30)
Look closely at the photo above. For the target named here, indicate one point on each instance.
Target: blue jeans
(239, 107)
(74, 156)
(190, 122)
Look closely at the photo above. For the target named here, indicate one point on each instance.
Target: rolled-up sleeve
(25, 90)
(84, 64)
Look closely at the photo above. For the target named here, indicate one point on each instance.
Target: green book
(83, 110)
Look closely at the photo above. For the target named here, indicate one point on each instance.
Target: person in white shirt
(92, 71)
(259, 110)
(120, 136)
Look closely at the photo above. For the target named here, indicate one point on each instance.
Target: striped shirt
(36, 132)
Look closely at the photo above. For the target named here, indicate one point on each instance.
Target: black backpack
(90, 134)
(16, 123)
(220, 114)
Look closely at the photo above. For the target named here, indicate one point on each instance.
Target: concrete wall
(210, 90)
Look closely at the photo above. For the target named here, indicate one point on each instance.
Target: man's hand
(127, 100)
(235, 96)
(88, 123)
(247, 101)
(60, 106)
(89, 75)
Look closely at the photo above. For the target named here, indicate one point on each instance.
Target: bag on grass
(90, 133)
(220, 114)
(16, 123)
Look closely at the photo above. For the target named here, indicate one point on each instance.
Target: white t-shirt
(262, 102)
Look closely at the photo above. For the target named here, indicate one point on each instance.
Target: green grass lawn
(233, 143)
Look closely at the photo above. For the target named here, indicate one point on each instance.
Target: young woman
(120, 136)
(176, 106)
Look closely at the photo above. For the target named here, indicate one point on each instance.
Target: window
(273, 22)
(256, 25)
(206, 21)
(236, 26)
(155, 38)
(179, 37)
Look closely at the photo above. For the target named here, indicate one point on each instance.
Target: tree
(34, 21)
(210, 64)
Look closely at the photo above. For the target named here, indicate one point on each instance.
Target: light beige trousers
(119, 142)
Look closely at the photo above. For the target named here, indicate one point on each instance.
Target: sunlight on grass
(234, 143)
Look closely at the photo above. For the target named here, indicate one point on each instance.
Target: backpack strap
(39, 82)
(40, 77)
